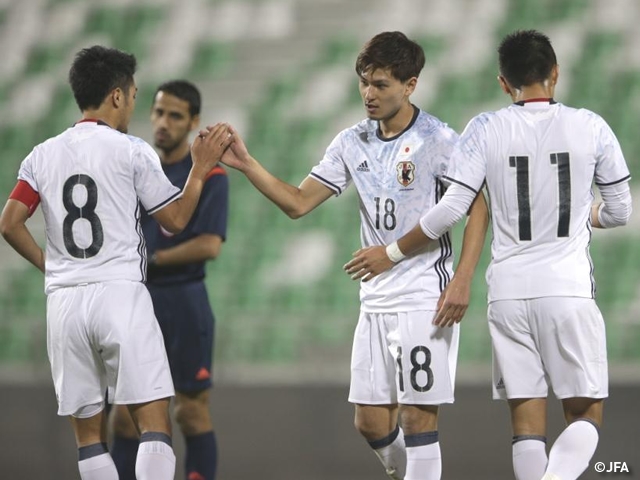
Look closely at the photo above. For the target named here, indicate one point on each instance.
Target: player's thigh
(152, 416)
(426, 357)
(373, 366)
(518, 370)
(132, 347)
(187, 322)
(572, 339)
(76, 367)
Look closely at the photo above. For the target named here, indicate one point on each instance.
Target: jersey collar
(416, 112)
(522, 103)
(92, 120)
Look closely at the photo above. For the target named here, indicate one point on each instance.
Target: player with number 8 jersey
(77, 175)
(102, 334)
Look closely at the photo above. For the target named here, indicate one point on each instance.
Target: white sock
(529, 457)
(424, 461)
(100, 467)
(155, 461)
(572, 451)
(393, 455)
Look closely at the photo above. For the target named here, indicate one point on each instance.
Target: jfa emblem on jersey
(405, 173)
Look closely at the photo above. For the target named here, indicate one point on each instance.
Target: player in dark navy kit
(175, 279)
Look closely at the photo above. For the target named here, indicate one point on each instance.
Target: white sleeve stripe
(460, 183)
(628, 177)
(153, 210)
(326, 183)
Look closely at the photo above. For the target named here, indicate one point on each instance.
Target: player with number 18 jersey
(397, 180)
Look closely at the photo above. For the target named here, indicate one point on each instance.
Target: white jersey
(540, 160)
(397, 180)
(91, 180)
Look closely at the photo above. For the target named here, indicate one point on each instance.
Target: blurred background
(281, 71)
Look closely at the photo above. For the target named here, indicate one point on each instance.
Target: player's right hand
(210, 145)
(453, 303)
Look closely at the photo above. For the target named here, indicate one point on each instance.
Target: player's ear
(117, 97)
(555, 72)
(410, 86)
(195, 122)
(504, 86)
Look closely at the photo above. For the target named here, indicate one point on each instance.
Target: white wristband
(394, 253)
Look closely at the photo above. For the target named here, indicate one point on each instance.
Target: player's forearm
(413, 241)
(475, 232)
(181, 211)
(285, 196)
(438, 220)
(615, 209)
(19, 237)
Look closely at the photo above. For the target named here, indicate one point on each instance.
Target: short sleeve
(332, 170)
(212, 212)
(152, 186)
(468, 165)
(611, 167)
(441, 150)
(26, 171)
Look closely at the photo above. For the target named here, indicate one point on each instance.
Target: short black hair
(98, 70)
(184, 90)
(526, 57)
(404, 58)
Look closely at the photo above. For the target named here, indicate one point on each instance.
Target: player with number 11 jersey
(539, 159)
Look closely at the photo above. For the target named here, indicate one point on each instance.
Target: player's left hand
(368, 262)
(453, 303)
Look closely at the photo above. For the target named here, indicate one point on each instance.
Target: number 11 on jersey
(521, 164)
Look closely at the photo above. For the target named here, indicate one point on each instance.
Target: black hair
(96, 71)
(526, 57)
(184, 90)
(403, 58)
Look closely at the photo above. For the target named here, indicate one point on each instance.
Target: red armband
(27, 195)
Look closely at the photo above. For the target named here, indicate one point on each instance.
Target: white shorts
(557, 341)
(105, 335)
(403, 358)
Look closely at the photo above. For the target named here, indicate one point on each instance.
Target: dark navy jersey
(210, 217)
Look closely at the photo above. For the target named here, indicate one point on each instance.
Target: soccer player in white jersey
(101, 330)
(403, 365)
(539, 159)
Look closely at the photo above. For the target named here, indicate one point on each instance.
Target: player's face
(171, 121)
(383, 94)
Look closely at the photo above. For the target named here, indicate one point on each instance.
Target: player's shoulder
(483, 121)
(362, 130)
(138, 147)
(430, 126)
(585, 113)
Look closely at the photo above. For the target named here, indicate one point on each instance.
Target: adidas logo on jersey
(363, 167)
(500, 384)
